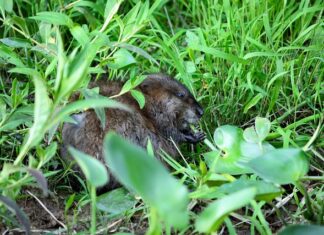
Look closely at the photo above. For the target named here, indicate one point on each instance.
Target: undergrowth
(242, 60)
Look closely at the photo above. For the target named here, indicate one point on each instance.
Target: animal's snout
(199, 111)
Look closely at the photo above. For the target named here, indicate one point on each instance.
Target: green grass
(241, 59)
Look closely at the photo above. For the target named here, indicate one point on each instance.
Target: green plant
(241, 59)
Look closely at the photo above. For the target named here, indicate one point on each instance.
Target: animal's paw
(195, 137)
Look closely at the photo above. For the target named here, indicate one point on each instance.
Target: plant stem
(319, 178)
(155, 227)
(93, 196)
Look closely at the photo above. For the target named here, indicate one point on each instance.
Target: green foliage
(212, 217)
(94, 171)
(241, 60)
(129, 164)
(302, 230)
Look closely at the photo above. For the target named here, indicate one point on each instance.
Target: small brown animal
(169, 111)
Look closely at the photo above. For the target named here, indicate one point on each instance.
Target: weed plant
(255, 66)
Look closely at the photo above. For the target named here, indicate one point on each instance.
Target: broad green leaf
(250, 135)
(190, 66)
(250, 151)
(94, 171)
(6, 5)
(22, 115)
(264, 190)
(236, 151)
(146, 176)
(132, 83)
(80, 35)
(42, 111)
(15, 42)
(281, 166)
(302, 229)
(9, 56)
(192, 39)
(111, 9)
(26, 71)
(213, 216)
(262, 127)
(139, 97)
(116, 202)
(55, 18)
(122, 58)
(228, 138)
(43, 106)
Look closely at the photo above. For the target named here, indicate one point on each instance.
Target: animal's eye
(180, 94)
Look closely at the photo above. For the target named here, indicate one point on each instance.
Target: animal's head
(171, 104)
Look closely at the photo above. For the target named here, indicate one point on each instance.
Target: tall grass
(241, 59)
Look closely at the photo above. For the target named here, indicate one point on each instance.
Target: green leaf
(6, 5)
(100, 112)
(228, 138)
(213, 216)
(262, 127)
(264, 190)
(137, 50)
(110, 7)
(15, 42)
(55, 18)
(9, 56)
(116, 202)
(252, 102)
(250, 135)
(42, 111)
(146, 176)
(281, 166)
(139, 97)
(192, 39)
(131, 83)
(122, 58)
(302, 229)
(94, 171)
(22, 115)
(80, 35)
(81, 105)
(76, 69)
(3, 109)
(190, 66)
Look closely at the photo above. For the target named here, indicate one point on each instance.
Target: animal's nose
(199, 111)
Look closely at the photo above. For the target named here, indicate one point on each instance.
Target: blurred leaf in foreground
(213, 216)
(145, 175)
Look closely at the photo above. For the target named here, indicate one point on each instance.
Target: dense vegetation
(242, 60)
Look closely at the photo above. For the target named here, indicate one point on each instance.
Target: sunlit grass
(240, 60)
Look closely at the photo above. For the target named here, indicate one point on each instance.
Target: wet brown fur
(166, 115)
